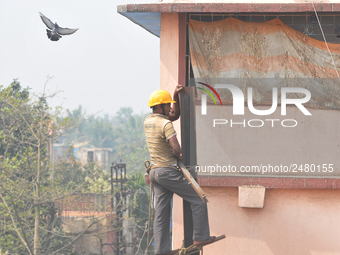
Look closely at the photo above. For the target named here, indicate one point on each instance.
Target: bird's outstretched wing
(66, 31)
(46, 21)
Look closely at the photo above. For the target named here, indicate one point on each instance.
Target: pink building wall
(293, 221)
(169, 79)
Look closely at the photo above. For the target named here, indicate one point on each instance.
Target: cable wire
(323, 35)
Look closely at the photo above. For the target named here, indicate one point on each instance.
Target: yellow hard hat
(160, 97)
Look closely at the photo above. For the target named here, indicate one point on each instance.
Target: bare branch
(15, 227)
(19, 141)
(81, 233)
(23, 118)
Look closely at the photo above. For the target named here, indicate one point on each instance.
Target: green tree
(78, 116)
(14, 94)
(131, 143)
(94, 131)
(29, 190)
(101, 133)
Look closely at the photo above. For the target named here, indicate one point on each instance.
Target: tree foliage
(30, 222)
(31, 187)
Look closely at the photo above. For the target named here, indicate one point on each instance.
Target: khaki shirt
(158, 130)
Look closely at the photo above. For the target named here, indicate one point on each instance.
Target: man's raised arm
(175, 111)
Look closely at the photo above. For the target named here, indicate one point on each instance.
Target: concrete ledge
(251, 196)
(229, 7)
(269, 182)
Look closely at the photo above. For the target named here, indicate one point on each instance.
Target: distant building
(99, 155)
(59, 150)
(79, 211)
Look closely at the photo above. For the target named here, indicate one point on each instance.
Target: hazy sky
(109, 63)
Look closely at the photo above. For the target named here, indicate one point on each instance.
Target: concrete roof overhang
(148, 16)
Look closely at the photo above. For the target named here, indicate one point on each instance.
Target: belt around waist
(163, 165)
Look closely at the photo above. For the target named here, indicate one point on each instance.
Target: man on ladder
(166, 178)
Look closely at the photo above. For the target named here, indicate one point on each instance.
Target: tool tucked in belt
(187, 175)
(192, 181)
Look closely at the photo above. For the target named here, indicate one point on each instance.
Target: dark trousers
(167, 181)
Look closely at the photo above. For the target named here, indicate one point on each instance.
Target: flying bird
(54, 33)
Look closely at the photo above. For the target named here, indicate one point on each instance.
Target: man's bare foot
(211, 239)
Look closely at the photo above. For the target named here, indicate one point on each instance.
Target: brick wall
(85, 203)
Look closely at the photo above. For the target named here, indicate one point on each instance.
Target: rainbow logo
(209, 93)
